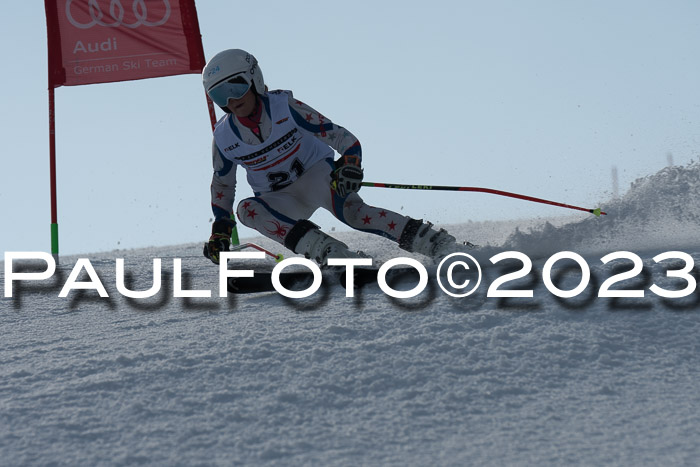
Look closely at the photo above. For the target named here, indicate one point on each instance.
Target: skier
(287, 150)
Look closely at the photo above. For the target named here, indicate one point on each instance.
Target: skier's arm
(223, 185)
(335, 136)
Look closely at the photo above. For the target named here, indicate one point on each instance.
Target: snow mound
(658, 212)
(370, 380)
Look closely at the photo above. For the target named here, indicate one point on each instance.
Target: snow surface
(330, 380)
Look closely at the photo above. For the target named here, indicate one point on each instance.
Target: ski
(262, 282)
(300, 280)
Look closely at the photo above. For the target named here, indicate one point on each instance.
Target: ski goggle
(234, 88)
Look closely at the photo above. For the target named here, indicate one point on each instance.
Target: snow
(370, 380)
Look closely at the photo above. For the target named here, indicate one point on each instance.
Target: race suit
(287, 151)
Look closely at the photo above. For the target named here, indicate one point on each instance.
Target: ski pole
(236, 244)
(596, 212)
(243, 246)
(239, 247)
(234, 233)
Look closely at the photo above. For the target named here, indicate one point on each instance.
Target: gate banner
(102, 41)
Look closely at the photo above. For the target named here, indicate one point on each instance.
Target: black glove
(347, 176)
(220, 239)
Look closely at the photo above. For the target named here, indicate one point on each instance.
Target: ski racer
(287, 150)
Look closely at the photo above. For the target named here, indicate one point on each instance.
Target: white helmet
(229, 75)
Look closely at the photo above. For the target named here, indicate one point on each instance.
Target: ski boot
(421, 237)
(306, 238)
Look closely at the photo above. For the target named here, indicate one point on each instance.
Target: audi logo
(116, 11)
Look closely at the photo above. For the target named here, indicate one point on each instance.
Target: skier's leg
(421, 237)
(283, 216)
(412, 235)
(269, 217)
(355, 213)
(299, 235)
(307, 239)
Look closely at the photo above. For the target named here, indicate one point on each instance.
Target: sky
(539, 98)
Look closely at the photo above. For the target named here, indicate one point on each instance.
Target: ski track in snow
(332, 380)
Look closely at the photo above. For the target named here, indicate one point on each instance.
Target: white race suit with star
(287, 153)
